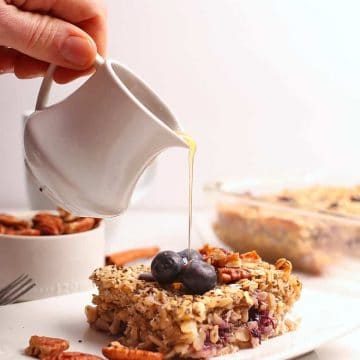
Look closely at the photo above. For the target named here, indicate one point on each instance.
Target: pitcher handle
(45, 87)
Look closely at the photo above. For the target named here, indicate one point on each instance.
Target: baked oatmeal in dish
(327, 199)
(248, 303)
(310, 226)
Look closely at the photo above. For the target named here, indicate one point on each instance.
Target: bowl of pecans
(56, 249)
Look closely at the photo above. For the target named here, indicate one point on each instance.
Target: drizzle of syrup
(192, 150)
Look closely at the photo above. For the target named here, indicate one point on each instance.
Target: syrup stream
(192, 150)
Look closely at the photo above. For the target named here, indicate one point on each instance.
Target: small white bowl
(59, 264)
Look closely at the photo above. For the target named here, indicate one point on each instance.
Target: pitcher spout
(176, 139)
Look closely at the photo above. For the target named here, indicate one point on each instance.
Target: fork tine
(18, 295)
(14, 283)
(20, 285)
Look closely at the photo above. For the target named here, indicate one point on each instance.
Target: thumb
(46, 38)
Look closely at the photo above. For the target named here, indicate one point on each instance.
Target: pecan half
(219, 257)
(71, 356)
(41, 346)
(227, 275)
(250, 256)
(79, 225)
(13, 222)
(116, 351)
(69, 218)
(284, 265)
(3, 229)
(48, 224)
(66, 216)
(27, 232)
(10, 231)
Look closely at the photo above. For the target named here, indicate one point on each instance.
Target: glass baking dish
(256, 215)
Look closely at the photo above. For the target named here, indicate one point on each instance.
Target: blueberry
(199, 277)
(190, 254)
(254, 314)
(166, 266)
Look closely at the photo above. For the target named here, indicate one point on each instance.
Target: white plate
(64, 317)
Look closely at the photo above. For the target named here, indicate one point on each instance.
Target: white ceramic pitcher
(87, 152)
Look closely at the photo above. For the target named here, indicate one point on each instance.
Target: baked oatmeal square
(249, 304)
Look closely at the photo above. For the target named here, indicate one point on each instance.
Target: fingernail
(33, 76)
(77, 50)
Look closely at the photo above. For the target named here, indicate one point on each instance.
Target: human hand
(34, 33)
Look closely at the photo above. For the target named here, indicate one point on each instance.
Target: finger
(26, 67)
(7, 59)
(74, 11)
(97, 29)
(89, 15)
(63, 75)
(48, 39)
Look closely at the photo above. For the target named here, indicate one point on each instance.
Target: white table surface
(168, 229)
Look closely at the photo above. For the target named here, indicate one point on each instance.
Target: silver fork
(13, 291)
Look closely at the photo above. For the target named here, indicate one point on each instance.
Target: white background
(266, 88)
